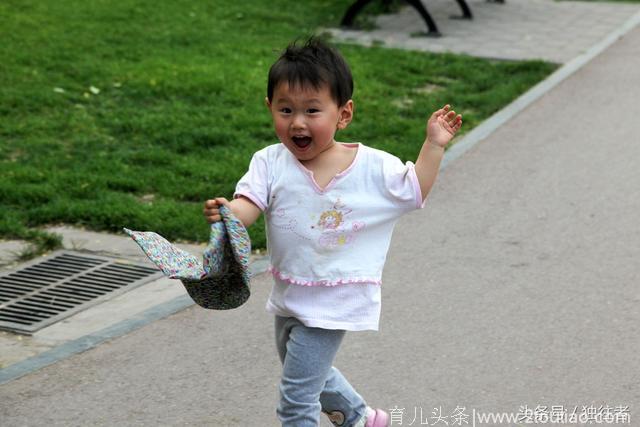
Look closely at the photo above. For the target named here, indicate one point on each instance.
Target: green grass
(132, 113)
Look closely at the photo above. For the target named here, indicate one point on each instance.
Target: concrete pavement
(554, 31)
(517, 285)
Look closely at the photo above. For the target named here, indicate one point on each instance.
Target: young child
(330, 208)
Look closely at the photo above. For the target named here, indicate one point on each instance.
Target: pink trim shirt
(324, 242)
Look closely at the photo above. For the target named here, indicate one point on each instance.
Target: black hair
(315, 63)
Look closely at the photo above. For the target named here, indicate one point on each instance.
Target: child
(330, 209)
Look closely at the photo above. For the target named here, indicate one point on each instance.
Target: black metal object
(45, 292)
(466, 12)
(432, 28)
(355, 8)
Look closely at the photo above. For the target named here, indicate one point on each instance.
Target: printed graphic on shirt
(332, 228)
(335, 227)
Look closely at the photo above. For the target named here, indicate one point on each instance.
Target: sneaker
(377, 418)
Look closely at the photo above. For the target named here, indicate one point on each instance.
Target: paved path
(555, 31)
(517, 285)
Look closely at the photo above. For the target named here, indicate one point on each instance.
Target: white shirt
(328, 246)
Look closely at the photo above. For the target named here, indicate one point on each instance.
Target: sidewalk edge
(87, 342)
(119, 329)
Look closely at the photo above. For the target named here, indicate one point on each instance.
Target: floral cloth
(222, 280)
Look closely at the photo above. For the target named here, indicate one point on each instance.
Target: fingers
(211, 209)
(222, 201)
(453, 120)
(441, 111)
(458, 122)
(446, 113)
(449, 116)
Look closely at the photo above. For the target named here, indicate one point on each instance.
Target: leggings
(310, 383)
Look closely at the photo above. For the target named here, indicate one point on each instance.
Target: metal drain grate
(48, 291)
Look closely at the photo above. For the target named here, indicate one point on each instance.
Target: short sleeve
(254, 185)
(401, 183)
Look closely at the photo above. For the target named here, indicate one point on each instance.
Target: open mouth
(301, 141)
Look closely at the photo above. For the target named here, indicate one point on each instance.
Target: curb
(119, 329)
(87, 342)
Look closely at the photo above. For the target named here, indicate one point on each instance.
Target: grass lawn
(132, 113)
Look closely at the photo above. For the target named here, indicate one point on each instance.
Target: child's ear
(267, 103)
(345, 115)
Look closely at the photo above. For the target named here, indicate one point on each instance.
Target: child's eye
(313, 110)
(285, 110)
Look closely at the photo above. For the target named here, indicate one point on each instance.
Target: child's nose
(298, 121)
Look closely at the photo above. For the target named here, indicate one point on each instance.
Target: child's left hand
(442, 126)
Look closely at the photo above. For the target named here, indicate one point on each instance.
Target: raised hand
(443, 125)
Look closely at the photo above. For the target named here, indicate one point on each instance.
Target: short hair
(316, 64)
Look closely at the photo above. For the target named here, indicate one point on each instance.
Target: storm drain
(61, 285)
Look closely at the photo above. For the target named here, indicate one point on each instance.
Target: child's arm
(242, 208)
(441, 127)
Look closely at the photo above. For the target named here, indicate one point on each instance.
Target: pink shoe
(377, 418)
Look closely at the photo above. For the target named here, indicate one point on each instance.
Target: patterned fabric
(173, 261)
(222, 280)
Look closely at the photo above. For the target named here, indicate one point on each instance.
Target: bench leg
(432, 28)
(354, 9)
(466, 12)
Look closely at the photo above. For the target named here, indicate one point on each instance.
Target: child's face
(306, 119)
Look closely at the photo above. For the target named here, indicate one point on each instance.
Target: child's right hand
(212, 209)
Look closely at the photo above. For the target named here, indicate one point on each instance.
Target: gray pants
(310, 383)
